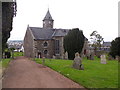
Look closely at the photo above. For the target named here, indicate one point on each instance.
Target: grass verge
(94, 75)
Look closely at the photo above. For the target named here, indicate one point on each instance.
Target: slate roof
(48, 16)
(106, 44)
(43, 34)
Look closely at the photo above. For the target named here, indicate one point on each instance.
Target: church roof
(48, 16)
(43, 34)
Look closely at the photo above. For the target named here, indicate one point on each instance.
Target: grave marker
(77, 63)
(103, 59)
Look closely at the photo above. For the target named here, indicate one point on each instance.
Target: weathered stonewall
(77, 64)
(103, 59)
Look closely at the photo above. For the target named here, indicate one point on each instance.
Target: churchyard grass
(94, 75)
(4, 63)
(18, 54)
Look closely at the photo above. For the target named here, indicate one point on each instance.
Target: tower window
(45, 52)
(45, 44)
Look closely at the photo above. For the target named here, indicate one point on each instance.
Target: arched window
(45, 44)
(45, 51)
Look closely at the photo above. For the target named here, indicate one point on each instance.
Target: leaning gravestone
(66, 55)
(103, 59)
(77, 63)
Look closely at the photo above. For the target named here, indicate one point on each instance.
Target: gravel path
(25, 73)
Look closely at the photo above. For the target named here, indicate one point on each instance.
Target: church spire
(48, 16)
(48, 21)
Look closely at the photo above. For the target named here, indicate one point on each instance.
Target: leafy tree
(12, 51)
(8, 12)
(115, 47)
(96, 40)
(73, 42)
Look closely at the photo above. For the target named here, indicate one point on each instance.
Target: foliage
(94, 75)
(73, 42)
(115, 47)
(7, 54)
(96, 40)
(8, 12)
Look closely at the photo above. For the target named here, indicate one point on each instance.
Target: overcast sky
(87, 15)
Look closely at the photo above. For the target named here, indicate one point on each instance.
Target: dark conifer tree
(115, 47)
(73, 42)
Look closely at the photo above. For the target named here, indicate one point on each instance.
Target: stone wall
(29, 44)
(41, 48)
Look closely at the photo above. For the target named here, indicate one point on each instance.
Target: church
(46, 41)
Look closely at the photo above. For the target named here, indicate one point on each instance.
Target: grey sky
(87, 15)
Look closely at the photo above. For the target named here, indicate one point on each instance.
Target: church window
(45, 44)
(45, 51)
(57, 49)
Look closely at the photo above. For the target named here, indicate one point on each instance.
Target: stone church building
(46, 41)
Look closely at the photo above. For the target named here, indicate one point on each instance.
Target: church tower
(48, 21)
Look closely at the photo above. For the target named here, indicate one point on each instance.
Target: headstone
(77, 63)
(43, 61)
(92, 55)
(66, 55)
(39, 56)
(103, 59)
(53, 57)
(117, 57)
(110, 57)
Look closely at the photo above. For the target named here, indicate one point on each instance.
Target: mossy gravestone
(77, 63)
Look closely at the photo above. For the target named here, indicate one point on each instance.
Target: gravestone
(43, 61)
(92, 55)
(110, 57)
(77, 63)
(103, 59)
(53, 57)
(66, 55)
(39, 56)
(117, 58)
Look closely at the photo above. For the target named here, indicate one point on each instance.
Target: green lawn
(4, 63)
(18, 54)
(94, 75)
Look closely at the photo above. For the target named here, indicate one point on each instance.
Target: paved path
(24, 73)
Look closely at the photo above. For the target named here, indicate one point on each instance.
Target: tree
(96, 40)
(115, 47)
(8, 12)
(73, 42)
